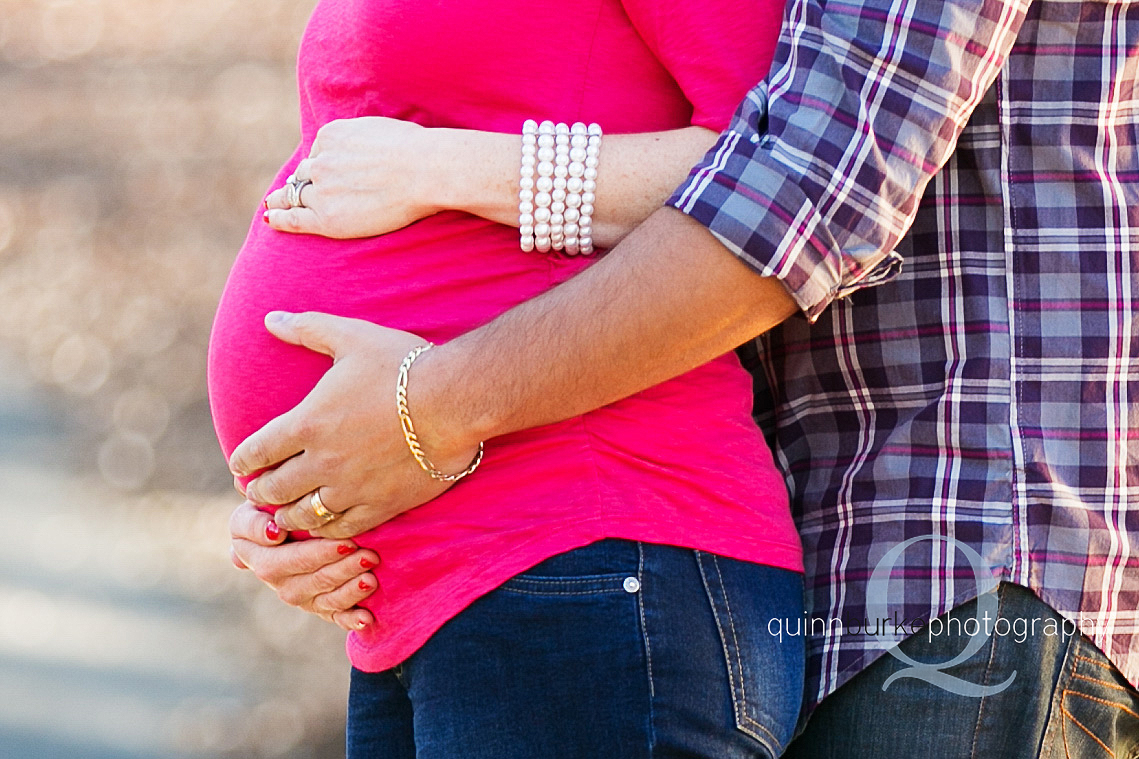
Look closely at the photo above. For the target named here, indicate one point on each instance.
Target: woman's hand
(369, 175)
(323, 577)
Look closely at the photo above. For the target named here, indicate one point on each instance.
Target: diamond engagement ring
(293, 188)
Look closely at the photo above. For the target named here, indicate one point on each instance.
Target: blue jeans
(617, 650)
(1066, 701)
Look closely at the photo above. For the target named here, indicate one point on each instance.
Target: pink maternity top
(681, 463)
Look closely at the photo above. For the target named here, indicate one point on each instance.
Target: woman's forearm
(373, 175)
(637, 173)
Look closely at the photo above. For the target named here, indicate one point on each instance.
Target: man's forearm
(669, 298)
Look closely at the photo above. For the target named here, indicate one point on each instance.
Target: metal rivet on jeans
(631, 585)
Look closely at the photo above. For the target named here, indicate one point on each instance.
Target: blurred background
(136, 139)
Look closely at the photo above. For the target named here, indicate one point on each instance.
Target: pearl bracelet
(526, 185)
(557, 184)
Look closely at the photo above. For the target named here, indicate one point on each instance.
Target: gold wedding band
(319, 510)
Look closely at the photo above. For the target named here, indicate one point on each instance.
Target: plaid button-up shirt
(980, 158)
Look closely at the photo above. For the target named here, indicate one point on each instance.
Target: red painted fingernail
(366, 564)
(363, 585)
(344, 550)
(265, 217)
(265, 203)
(272, 530)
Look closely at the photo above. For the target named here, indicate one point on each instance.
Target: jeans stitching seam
(1090, 660)
(743, 719)
(1057, 709)
(1104, 683)
(1104, 702)
(741, 710)
(554, 579)
(598, 592)
(648, 646)
(1064, 727)
(1080, 725)
(988, 679)
(719, 627)
(1064, 714)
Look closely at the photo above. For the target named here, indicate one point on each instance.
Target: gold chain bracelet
(409, 428)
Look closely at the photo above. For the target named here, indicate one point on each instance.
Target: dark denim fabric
(617, 650)
(1065, 701)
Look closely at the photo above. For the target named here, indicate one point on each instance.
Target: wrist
(477, 172)
(448, 431)
(433, 188)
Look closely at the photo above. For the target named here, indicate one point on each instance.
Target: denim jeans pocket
(607, 566)
(765, 673)
(1099, 710)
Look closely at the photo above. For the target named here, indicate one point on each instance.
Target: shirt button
(631, 585)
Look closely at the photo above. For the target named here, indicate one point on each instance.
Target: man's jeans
(1066, 701)
(617, 650)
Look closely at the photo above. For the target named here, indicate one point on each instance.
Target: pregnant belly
(438, 279)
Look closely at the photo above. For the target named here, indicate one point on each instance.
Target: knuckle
(335, 530)
(302, 324)
(290, 220)
(288, 519)
(304, 427)
(333, 603)
(268, 489)
(333, 606)
(239, 460)
(253, 454)
(290, 596)
(284, 520)
(329, 530)
(316, 170)
(336, 460)
(360, 519)
(308, 522)
(328, 578)
(349, 526)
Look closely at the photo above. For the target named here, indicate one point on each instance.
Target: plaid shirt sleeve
(820, 173)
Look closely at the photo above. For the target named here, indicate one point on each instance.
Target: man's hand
(345, 437)
(324, 577)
